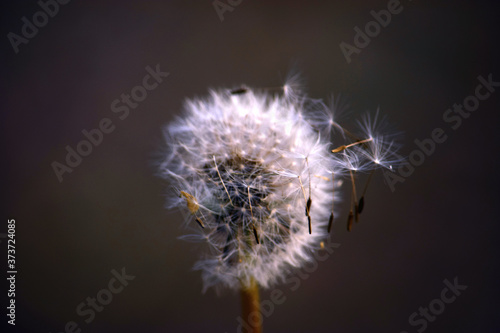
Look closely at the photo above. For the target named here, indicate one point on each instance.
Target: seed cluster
(257, 176)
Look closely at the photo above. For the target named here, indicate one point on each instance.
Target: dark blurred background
(440, 223)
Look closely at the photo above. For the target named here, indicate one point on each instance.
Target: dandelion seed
(330, 222)
(191, 202)
(255, 235)
(361, 204)
(308, 206)
(198, 220)
(239, 91)
(339, 149)
(349, 221)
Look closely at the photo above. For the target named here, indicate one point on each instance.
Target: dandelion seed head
(253, 168)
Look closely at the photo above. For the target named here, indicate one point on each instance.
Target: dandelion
(260, 180)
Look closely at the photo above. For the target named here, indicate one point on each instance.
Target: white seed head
(255, 175)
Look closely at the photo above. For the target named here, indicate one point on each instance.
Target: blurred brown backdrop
(108, 213)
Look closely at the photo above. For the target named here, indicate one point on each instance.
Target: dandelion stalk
(250, 306)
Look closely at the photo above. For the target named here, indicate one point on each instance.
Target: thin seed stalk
(250, 306)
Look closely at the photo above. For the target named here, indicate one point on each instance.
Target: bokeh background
(441, 223)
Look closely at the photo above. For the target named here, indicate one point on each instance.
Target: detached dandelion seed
(240, 161)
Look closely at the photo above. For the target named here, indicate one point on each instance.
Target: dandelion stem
(250, 306)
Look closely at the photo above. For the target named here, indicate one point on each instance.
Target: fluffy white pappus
(382, 148)
(255, 176)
